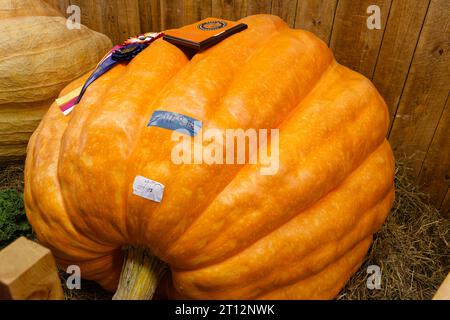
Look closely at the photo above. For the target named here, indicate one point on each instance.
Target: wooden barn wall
(408, 59)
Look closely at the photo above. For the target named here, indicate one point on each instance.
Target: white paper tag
(148, 189)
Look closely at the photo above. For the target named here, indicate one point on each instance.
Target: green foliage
(13, 221)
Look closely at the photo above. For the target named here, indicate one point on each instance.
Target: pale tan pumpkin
(39, 56)
(26, 8)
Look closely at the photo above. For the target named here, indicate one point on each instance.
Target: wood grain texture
(171, 14)
(259, 6)
(92, 15)
(286, 10)
(353, 44)
(434, 177)
(28, 272)
(177, 13)
(195, 10)
(229, 9)
(316, 16)
(426, 89)
(150, 15)
(443, 292)
(400, 40)
(128, 20)
(119, 19)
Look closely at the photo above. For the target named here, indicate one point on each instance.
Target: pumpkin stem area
(140, 275)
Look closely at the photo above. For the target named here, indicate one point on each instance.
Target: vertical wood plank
(286, 10)
(259, 6)
(316, 16)
(128, 19)
(171, 14)
(229, 9)
(177, 13)
(354, 45)
(434, 177)
(104, 15)
(92, 15)
(426, 88)
(400, 39)
(118, 19)
(150, 15)
(207, 9)
(196, 10)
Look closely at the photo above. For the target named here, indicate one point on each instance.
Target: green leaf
(13, 220)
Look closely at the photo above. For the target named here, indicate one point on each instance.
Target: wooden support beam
(28, 272)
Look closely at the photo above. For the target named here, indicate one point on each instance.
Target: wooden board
(196, 10)
(229, 9)
(92, 16)
(318, 17)
(118, 19)
(150, 15)
(426, 89)
(178, 13)
(259, 7)
(286, 10)
(28, 272)
(128, 19)
(434, 176)
(171, 14)
(354, 45)
(400, 40)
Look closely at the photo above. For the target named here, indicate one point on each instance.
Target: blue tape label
(175, 121)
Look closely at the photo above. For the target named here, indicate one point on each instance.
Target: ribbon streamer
(119, 54)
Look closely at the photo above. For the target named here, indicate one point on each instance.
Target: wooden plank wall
(408, 59)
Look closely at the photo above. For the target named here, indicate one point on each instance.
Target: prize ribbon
(121, 53)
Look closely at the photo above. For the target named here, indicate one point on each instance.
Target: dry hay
(412, 249)
(11, 177)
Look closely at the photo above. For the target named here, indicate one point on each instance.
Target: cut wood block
(443, 292)
(28, 272)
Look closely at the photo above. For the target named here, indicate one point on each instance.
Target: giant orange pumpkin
(225, 231)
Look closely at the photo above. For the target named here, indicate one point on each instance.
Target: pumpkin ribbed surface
(24, 8)
(227, 231)
(40, 56)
